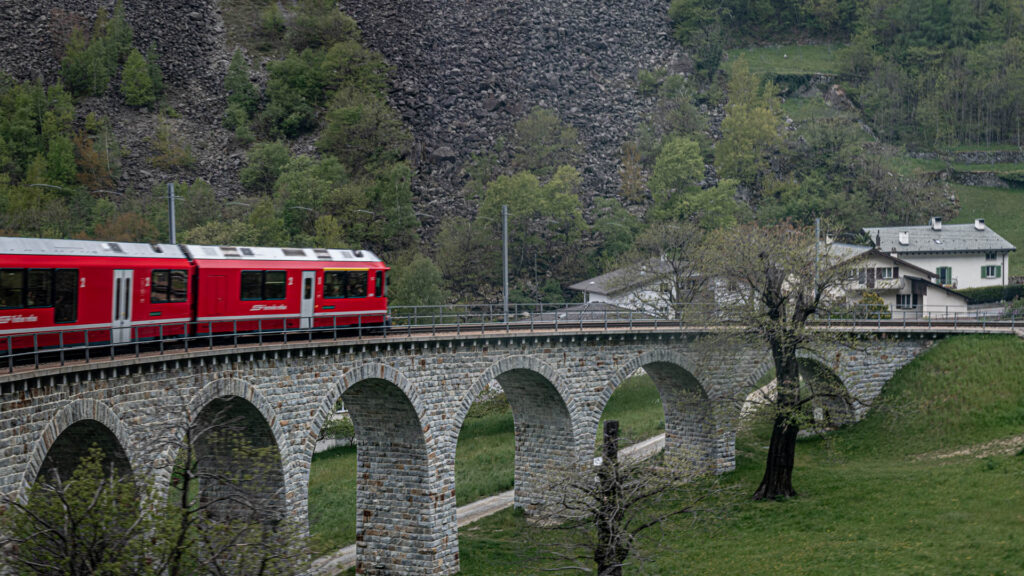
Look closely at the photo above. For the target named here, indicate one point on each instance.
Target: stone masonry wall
(408, 401)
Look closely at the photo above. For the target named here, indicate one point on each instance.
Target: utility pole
(817, 240)
(504, 259)
(170, 211)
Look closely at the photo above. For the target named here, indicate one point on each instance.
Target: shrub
(265, 163)
(338, 428)
(319, 23)
(170, 151)
(362, 129)
(992, 293)
(136, 83)
(241, 92)
(271, 24)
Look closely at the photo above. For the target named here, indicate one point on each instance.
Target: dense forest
(329, 162)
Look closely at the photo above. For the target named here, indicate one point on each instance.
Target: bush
(992, 293)
(241, 92)
(319, 23)
(170, 151)
(339, 429)
(266, 162)
(136, 82)
(363, 129)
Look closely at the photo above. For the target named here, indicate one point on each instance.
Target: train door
(220, 304)
(121, 324)
(308, 298)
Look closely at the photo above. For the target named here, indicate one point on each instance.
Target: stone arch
(833, 405)
(691, 428)
(359, 373)
(548, 435)
(405, 517)
(241, 452)
(87, 419)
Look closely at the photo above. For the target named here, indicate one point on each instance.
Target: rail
(35, 349)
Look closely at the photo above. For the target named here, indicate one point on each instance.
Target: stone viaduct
(407, 397)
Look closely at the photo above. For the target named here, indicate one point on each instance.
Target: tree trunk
(609, 554)
(778, 472)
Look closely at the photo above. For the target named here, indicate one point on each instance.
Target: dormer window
(991, 256)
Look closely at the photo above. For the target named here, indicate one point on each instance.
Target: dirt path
(1003, 446)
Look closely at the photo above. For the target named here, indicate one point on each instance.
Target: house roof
(624, 279)
(844, 252)
(949, 238)
(591, 311)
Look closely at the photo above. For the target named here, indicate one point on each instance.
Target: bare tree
(783, 276)
(609, 506)
(666, 270)
(222, 515)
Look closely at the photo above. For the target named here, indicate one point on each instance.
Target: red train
(70, 292)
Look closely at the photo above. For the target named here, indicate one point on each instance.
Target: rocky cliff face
(465, 71)
(189, 37)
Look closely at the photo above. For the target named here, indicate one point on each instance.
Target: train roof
(289, 254)
(54, 247)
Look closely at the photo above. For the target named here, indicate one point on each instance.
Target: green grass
(865, 505)
(907, 165)
(484, 460)
(790, 59)
(1003, 211)
(808, 109)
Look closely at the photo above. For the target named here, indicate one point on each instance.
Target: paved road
(346, 557)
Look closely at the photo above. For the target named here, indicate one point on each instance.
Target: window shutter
(871, 277)
(999, 271)
(895, 271)
(983, 275)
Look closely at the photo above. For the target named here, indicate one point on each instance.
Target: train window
(378, 284)
(274, 287)
(38, 287)
(65, 295)
(357, 282)
(346, 283)
(179, 286)
(334, 285)
(264, 284)
(252, 285)
(168, 286)
(158, 286)
(12, 288)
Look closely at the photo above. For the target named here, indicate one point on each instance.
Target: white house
(647, 287)
(961, 255)
(907, 289)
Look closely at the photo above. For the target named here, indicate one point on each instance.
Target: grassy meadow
(790, 59)
(879, 497)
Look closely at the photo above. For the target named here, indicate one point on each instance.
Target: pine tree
(240, 90)
(136, 83)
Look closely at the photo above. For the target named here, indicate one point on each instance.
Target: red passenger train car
(248, 288)
(71, 292)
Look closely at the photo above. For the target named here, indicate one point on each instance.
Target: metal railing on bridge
(32, 350)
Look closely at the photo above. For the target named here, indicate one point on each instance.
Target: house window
(885, 274)
(906, 301)
(991, 256)
(945, 274)
(991, 271)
